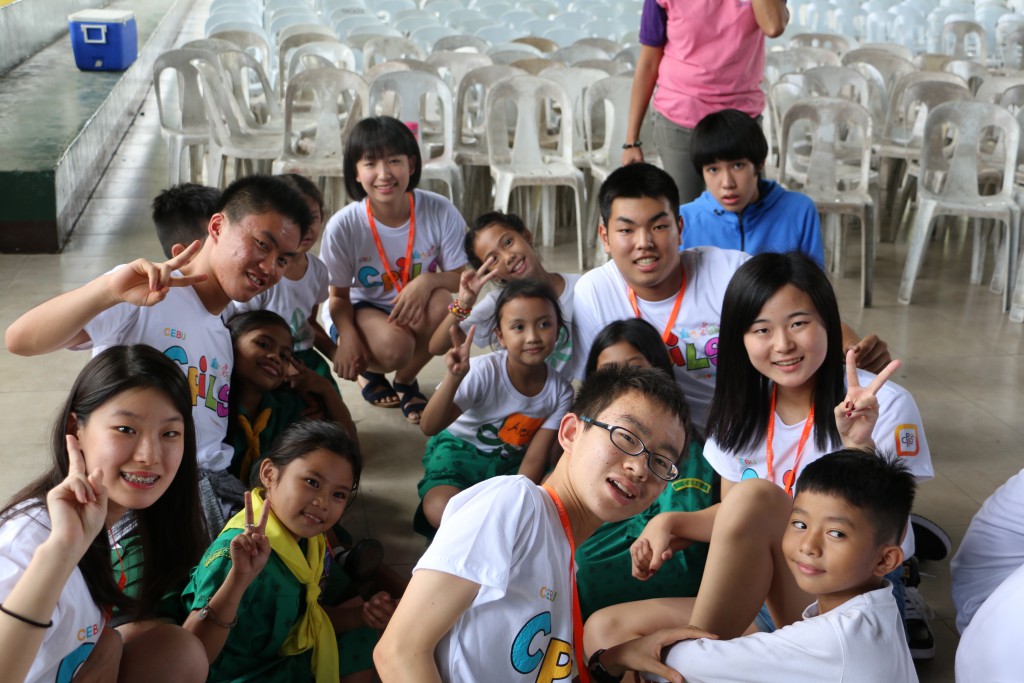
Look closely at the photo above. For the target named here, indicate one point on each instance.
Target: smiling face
(622, 353)
(316, 224)
(385, 180)
(733, 184)
(610, 484)
(263, 355)
(833, 550)
(250, 255)
(309, 494)
(642, 237)
(137, 440)
(514, 258)
(528, 329)
(787, 342)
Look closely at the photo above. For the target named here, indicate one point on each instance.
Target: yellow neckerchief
(252, 438)
(313, 630)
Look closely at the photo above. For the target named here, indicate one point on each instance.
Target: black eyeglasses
(629, 443)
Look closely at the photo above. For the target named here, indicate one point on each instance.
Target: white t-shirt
(351, 254)
(181, 328)
(496, 417)
(990, 649)
(601, 299)
(77, 621)
(860, 641)
(504, 534)
(483, 317)
(293, 300)
(992, 549)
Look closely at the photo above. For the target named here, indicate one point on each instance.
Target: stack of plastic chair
(462, 43)
(837, 172)
(830, 41)
(950, 181)
(254, 41)
(386, 48)
(1007, 24)
(897, 49)
(872, 61)
(471, 135)
(964, 40)
(993, 88)
(318, 55)
(575, 81)
(414, 93)
(609, 96)
(841, 82)
(453, 66)
(973, 73)
(183, 121)
(254, 96)
(290, 39)
(907, 26)
(524, 162)
(988, 15)
(1013, 50)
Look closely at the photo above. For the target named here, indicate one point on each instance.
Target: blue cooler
(104, 39)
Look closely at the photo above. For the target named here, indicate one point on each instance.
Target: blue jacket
(779, 221)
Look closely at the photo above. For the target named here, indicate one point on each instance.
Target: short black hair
(727, 135)
(305, 436)
(306, 188)
(879, 484)
(250, 320)
(603, 387)
(181, 214)
(639, 334)
(258, 194)
(528, 289)
(740, 390)
(484, 221)
(634, 181)
(377, 137)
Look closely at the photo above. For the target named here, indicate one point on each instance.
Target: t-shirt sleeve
(721, 461)
(482, 316)
(321, 278)
(653, 24)
(479, 533)
(899, 430)
(20, 536)
(333, 251)
(472, 391)
(565, 396)
(107, 328)
(453, 232)
(210, 573)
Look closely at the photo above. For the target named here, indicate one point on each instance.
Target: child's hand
(457, 358)
(145, 283)
(77, 505)
(411, 302)
(310, 387)
(644, 654)
(655, 546)
(857, 415)
(472, 281)
(250, 549)
(351, 357)
(872, 353)
(377, 610)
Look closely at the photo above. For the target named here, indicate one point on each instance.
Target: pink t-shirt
(713, 59)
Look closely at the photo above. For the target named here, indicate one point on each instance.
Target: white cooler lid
(107, 16)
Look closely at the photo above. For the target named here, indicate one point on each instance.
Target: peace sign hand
(77, 505)
(250, 549)
(457, 358)
(857, 414)
(145, 283)
(472, 281)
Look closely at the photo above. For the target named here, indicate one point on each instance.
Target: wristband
(631, 145)
(25, 620)
(597, 672)
(207, 613)
(458, 311)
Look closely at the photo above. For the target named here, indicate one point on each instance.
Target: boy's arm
(432, 604)
(668, 533)
(535, 461)
(60, 322)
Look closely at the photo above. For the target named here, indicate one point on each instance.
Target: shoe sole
(937, 544)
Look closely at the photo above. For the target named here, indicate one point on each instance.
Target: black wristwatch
(598, 673)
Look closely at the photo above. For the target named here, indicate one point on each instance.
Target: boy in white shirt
(493, 598)
(841, 538)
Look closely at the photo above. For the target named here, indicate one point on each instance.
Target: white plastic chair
(949, 184)
(605, 102)
(830, 41)
(973, 73)
(524, 162)
(338, 100)
(414, 93)
(320, 54)
(183, 122)
(565, 35)
(428, 36)
(577, 53)
(462, 42)
(386, 48)
(838, 168)
(965, 40)
(453, 66)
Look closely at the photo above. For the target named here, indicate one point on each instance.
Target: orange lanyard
(808, 425)
(667, 333)
(408, 247)
(577, 616)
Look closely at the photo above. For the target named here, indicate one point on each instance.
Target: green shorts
(604, 565)
(450, 461)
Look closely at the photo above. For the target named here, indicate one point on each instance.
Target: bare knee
(435, 501)
(754, 504)
(394, 349)
(164, 653)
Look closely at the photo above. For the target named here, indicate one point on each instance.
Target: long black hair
(171, 530)
(639, 334)
(742, 401)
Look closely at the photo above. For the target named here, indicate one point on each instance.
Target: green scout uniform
(285, 409)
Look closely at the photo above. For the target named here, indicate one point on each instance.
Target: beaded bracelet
(631, 145)
(458, 311)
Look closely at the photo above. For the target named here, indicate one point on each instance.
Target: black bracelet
(631, 145)
(597, 671)
(25, 620)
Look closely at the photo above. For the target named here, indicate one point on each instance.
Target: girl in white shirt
(498, 415)
(124, 440)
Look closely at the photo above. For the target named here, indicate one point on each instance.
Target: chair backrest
(931, 61)
(965, 40)
(428, 36)
(950, 170)
(1013, 50)
(512, 56)
(179, 100)
(453, 66)
(974, 74)
(469, 108)
(254, 42)
(839, 81)
(543, 46)
(339, 98)
(536, 65)
(897, 49)
(385, 48)
(830, 41)
(565, 35)
(991, 90)
(318, 53)
(610, 95)
(255, 97)
(577, 53)
(293, 37)
(839, 132)
(921, 97)
(609, 66)
(610, 47)
(1012, 99)
(461, 42)
(529, 95)
(575, 81)
(898, 128)
(413, 94)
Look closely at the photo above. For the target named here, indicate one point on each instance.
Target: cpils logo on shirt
(907, 441)
(202, 380)
(553, 663)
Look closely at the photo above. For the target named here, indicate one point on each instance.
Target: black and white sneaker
(930, 541)
(917, 613)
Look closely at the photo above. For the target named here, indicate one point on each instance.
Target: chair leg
(547, 212)
(915, 251)
(1012, 247)
(867, 254)
(581, 250)
(980, 235)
